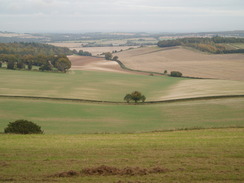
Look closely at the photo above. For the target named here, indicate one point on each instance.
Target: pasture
(67, 117)
(187, 156)
(110, 86)
(93, 85)
(188, 61)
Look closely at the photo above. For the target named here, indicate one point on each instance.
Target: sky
(76, 16)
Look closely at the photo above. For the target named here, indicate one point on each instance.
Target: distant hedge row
(213, 45)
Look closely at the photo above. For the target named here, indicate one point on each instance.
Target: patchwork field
(89, 141)
(187, 61)
(185, 156)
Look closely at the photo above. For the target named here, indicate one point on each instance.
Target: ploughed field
(188, 61)
(180, 156)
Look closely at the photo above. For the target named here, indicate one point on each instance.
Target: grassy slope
(82, 84)
(74, 117)
(191, 156)
(108, 86)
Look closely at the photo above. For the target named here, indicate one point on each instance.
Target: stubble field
(189, 62)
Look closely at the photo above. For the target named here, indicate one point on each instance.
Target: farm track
(123, 103)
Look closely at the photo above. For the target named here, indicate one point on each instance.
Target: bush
(176, 74)
(23, 127)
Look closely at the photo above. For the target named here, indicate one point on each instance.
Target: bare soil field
(187, 61)
(94, 64)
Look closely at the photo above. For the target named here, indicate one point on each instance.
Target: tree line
(214, 45)
(46, 57)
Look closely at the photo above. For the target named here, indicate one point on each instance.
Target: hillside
(110, 86)
(189, 62)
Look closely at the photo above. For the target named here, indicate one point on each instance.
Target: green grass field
(108, 86)
(83, 84)
(190, 156)
(60, 117)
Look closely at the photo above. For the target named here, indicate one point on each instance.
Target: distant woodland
(46, 57)
(216, 45)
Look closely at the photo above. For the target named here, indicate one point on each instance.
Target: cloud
(130, 14)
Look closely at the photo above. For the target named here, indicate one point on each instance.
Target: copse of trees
(46, 57)
(135, 96)
(212, 45)
(83, 53)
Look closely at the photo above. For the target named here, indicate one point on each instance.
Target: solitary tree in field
(136, 96)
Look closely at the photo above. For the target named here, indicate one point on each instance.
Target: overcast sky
(121, 15)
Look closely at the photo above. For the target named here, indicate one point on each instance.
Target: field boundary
(124, 103)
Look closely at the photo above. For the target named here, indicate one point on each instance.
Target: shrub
(23, 127)
(175, 74)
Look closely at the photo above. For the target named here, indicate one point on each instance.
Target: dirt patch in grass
(104, 170)
(70, 173)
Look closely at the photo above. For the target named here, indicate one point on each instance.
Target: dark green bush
(175, 74)
(23, 127)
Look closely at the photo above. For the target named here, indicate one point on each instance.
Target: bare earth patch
(104, 170)
(189, 62)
